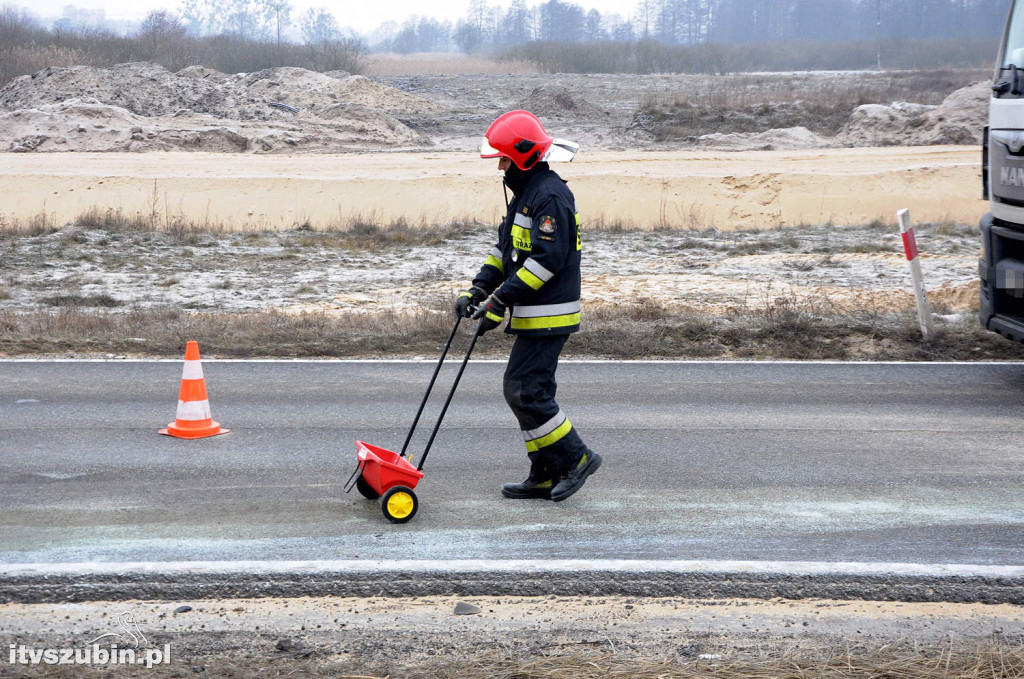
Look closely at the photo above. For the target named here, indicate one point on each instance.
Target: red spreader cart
(391, 476)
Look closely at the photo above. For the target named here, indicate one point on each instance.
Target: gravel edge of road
(52, 583)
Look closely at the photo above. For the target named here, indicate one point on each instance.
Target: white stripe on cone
(194, 410)
(193, 370)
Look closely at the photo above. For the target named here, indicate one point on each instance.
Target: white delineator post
(924, 314)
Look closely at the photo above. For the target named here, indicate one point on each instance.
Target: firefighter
(533, 274)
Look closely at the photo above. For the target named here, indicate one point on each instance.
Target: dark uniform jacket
(535, 266)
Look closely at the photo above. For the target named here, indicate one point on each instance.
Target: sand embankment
(691, 189)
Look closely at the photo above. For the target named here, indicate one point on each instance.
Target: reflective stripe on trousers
(552, 442)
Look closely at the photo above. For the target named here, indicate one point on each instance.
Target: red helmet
(518, 136)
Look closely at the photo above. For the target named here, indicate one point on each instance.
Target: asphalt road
(895, 463)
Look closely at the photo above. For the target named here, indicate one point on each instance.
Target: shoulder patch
(526, 210)
(547, 225)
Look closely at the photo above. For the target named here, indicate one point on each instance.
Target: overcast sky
(362, 16)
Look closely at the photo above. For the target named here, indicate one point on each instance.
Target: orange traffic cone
(193, 420)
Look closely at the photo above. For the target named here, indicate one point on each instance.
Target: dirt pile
(959, 119)
(292, 109)
(88, 125)
(556, 101)
(143, 107)
(770, 140)
(759, 120)
(700, 121)
(151, 90)
(141, 88)
(362, 91)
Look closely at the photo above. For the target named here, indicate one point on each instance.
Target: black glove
(471, 297)
(491, 313)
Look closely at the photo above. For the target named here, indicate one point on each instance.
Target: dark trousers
(552, 443)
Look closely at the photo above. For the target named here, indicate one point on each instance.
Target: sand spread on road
(690, 189)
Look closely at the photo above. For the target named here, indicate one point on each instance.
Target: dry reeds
(26, 47)
(650, 56)
(163, 332)
(997, 660)
(443, 63)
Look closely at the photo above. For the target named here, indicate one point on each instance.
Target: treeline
(651, 56)
(487, 28)
(27, 47)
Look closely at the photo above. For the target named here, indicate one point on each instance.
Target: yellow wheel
(399, 504)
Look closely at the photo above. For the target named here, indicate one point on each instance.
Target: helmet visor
(488, 151)
(562, 151)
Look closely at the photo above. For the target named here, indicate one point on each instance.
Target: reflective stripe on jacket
(535, 266)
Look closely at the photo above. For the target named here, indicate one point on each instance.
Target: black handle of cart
(430, 387)
(447, 402)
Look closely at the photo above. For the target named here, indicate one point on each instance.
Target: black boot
(577, 476)
(528, 489)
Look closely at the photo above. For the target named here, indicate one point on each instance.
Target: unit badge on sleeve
(547, 225)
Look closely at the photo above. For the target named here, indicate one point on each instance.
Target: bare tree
(164, 37)
(280, 15)
(481, 17)
(644, 17)
(319, 26)
(592, 30)
(560, 21)
(206, 17)
(244, 19)
(467, 36)
(515, 28)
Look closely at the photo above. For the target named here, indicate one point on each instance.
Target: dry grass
(685, 217)
(39, 224)
(904, 663)
(354, 232)
(798, 322)
(75, 300)
(265, 333)
(444, 63)
(109, 220)
(892, 661)
(784, 328)
(368, 232)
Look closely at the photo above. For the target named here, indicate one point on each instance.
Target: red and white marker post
(924, 314)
